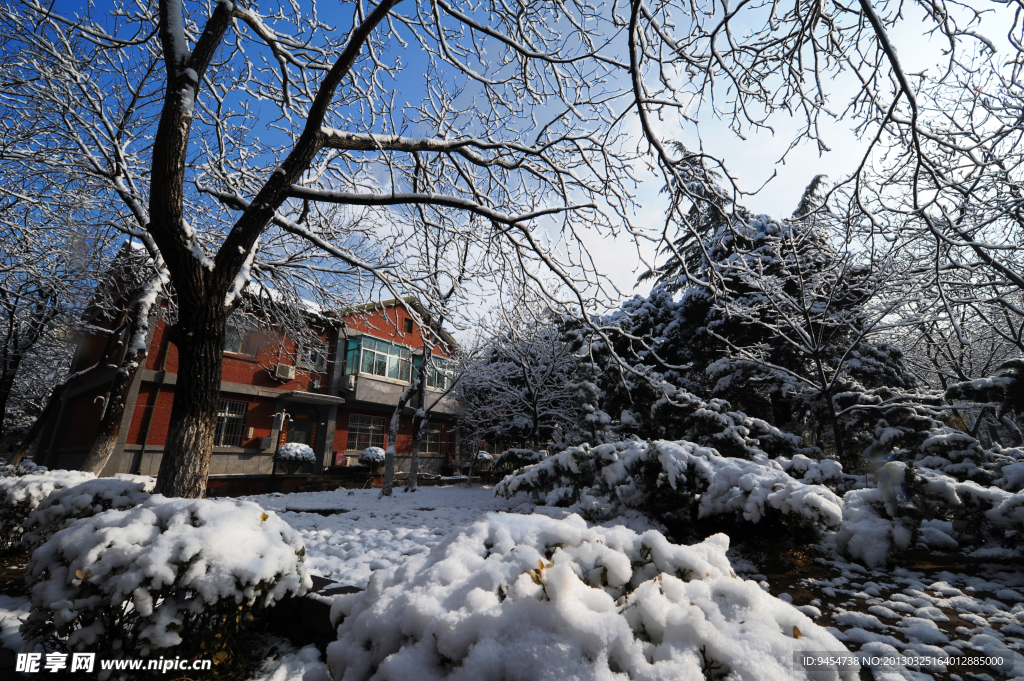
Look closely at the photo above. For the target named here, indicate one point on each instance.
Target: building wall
(153, 402)
(389, 324)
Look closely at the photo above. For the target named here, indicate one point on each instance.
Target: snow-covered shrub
(821, 472)
(680, 479)
(913, 506)
(180, 574)
(372, 457)
(514, 597)
(888, 429)
(1011, 473)
(291, 456)
(561, 478)
(482, 460)
(513, 459)
(24, 467)
(1005, 388)
(21, 492)
(65, 506)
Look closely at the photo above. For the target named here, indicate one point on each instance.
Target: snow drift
(529, 598)
(150, 576)
(683, 479)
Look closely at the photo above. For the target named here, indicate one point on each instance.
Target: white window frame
(373, 425)
(313, 356)
(230, 423)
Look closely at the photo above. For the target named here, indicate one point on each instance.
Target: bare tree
(525, 123)
(522, 385)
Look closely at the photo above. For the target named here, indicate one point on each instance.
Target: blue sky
(752, 161)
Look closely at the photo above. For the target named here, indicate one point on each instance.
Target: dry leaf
(796, 632)
(263, 517)
(79, 574)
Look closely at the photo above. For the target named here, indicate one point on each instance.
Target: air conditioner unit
(350, 382)
(284, 372)
(265, 442)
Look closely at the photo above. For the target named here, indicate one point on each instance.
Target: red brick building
(336, 395)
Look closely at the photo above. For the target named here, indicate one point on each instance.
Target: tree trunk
(389, 454)
(117, 399)
(53, 403)
(1018, 438)
(10, 372)
(185, 465)
(837, 434)
(833, 417)
(418, 421)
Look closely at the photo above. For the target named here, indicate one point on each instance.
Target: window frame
(370, 423)
(230, 422)
(378, 358)
(315, 350)
(439, 374)
(430, 433)
(232, 331)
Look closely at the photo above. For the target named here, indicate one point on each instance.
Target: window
(314, 357)
(230, 418)
(364, 431)
(234, 336)
(431, 443)
(440, 374)
(352, 357)
(407, 326)
(241, 338)
(381, 358)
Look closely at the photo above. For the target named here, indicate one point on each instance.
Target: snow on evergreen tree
(767, 314)
(1005, 390)
(525, 386)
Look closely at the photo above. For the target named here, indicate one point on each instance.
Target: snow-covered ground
(933, 613)
(936, 612)
(350, 533)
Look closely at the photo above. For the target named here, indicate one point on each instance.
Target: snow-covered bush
(291, 456)
(513, 459)
(21, 492)
(822, 472)
(921, 507)
(372, 457)
(559, 479)
(482, 460)
(181, 574)
(65, 506)
(515, 597)
(1011, 468)
(680, 479)
(888, 429)
(23, 468)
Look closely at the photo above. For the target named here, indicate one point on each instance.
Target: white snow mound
(372, 456)
(529, 597)
(295, 451)
(164, 560)
(69, 504)
(22, 489)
